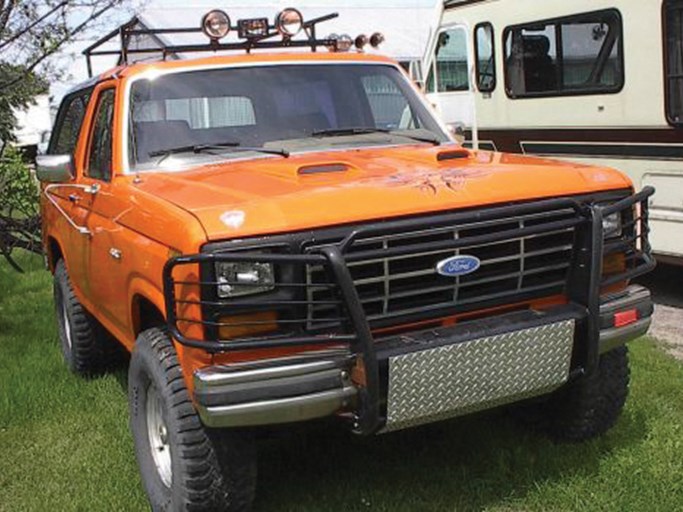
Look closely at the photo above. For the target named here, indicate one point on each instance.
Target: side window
(389, 106)
(69, 121)
(449, 71)
(575, 55)
(673, 40)
(99, 159)
(485, 57)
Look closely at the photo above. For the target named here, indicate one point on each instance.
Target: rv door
(450, 86)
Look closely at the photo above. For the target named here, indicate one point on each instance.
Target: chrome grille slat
(405, 284)
(469, 247)
(469, 301)
(412, 293)
(464, 227)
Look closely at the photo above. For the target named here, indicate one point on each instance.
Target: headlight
(244, 278)
(611, 225)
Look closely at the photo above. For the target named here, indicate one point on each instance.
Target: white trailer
(594, 81)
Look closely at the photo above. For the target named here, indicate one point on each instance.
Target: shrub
(19, 210)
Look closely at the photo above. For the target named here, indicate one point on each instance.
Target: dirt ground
(666, 285)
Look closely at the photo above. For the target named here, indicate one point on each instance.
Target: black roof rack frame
(250, 42)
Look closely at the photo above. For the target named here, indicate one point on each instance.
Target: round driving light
(376, 39)
(216, 24)
(361, 41)
(289, 22)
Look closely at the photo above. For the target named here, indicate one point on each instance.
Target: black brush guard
(584, 283)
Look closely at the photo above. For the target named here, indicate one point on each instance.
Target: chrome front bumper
(275, 391)
(425, 376)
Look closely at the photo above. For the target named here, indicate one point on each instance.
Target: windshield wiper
(218, 148)
(334, 132)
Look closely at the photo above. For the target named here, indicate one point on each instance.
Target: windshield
(202, 116)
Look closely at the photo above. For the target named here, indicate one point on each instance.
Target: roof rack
(253, 34)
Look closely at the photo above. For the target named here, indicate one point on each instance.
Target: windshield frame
(154, 73)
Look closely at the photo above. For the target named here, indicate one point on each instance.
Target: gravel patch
(667, 329)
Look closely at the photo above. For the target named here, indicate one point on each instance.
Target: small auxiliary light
(248, 29)
(216, 24)
(289, 22)
(361, 41)
(376, 39)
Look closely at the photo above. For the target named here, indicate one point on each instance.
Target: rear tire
(85, 346)
(183, 465)
(590, 406)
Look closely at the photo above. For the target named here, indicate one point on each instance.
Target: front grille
(395, 273)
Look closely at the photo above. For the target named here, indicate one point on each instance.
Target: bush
(19, 210)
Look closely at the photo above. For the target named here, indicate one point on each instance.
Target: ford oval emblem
(458, 266)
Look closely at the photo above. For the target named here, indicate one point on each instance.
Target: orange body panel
(150, 216)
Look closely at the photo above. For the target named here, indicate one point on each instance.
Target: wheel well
(54, 253)
(146, 315)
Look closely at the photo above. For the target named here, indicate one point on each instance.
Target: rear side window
(69, 121)
(198, 113)
(673, 41)
(99, 161)
(580, 54)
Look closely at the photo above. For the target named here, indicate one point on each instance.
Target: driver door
(103, 262)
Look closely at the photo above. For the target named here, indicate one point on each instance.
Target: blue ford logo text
(458, 266)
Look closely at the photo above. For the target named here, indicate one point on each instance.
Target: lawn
(66, 446)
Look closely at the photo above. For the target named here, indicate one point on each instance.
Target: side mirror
(54, 168)
(457, 130)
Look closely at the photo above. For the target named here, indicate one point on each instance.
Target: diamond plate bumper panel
(457, 379)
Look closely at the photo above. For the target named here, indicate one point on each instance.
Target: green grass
(65, 443)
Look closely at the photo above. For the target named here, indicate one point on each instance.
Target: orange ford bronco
(285, 236)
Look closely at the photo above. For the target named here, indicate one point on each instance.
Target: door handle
(74, 198)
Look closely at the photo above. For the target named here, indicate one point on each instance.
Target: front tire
(183, 466)
(590, 406)
(84, 344)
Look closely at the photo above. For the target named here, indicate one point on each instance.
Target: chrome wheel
(67, 325)
(158, 436)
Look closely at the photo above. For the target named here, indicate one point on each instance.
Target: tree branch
(31, 25)
(29, 68)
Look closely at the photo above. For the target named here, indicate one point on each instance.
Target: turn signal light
(614, 264)
(252, 324)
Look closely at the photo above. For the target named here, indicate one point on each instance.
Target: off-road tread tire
(592, 405)
(212, 470)
(91, 351)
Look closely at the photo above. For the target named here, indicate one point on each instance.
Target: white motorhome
(595, 81)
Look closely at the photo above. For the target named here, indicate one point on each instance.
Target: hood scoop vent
(322, 169)
(453, 154)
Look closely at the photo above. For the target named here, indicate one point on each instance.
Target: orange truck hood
(277, 195)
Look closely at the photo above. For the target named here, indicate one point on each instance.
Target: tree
(32, 32)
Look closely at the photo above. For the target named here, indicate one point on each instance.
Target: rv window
(485, 57)
(673, 38)
(450, 63)
(574, 55)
